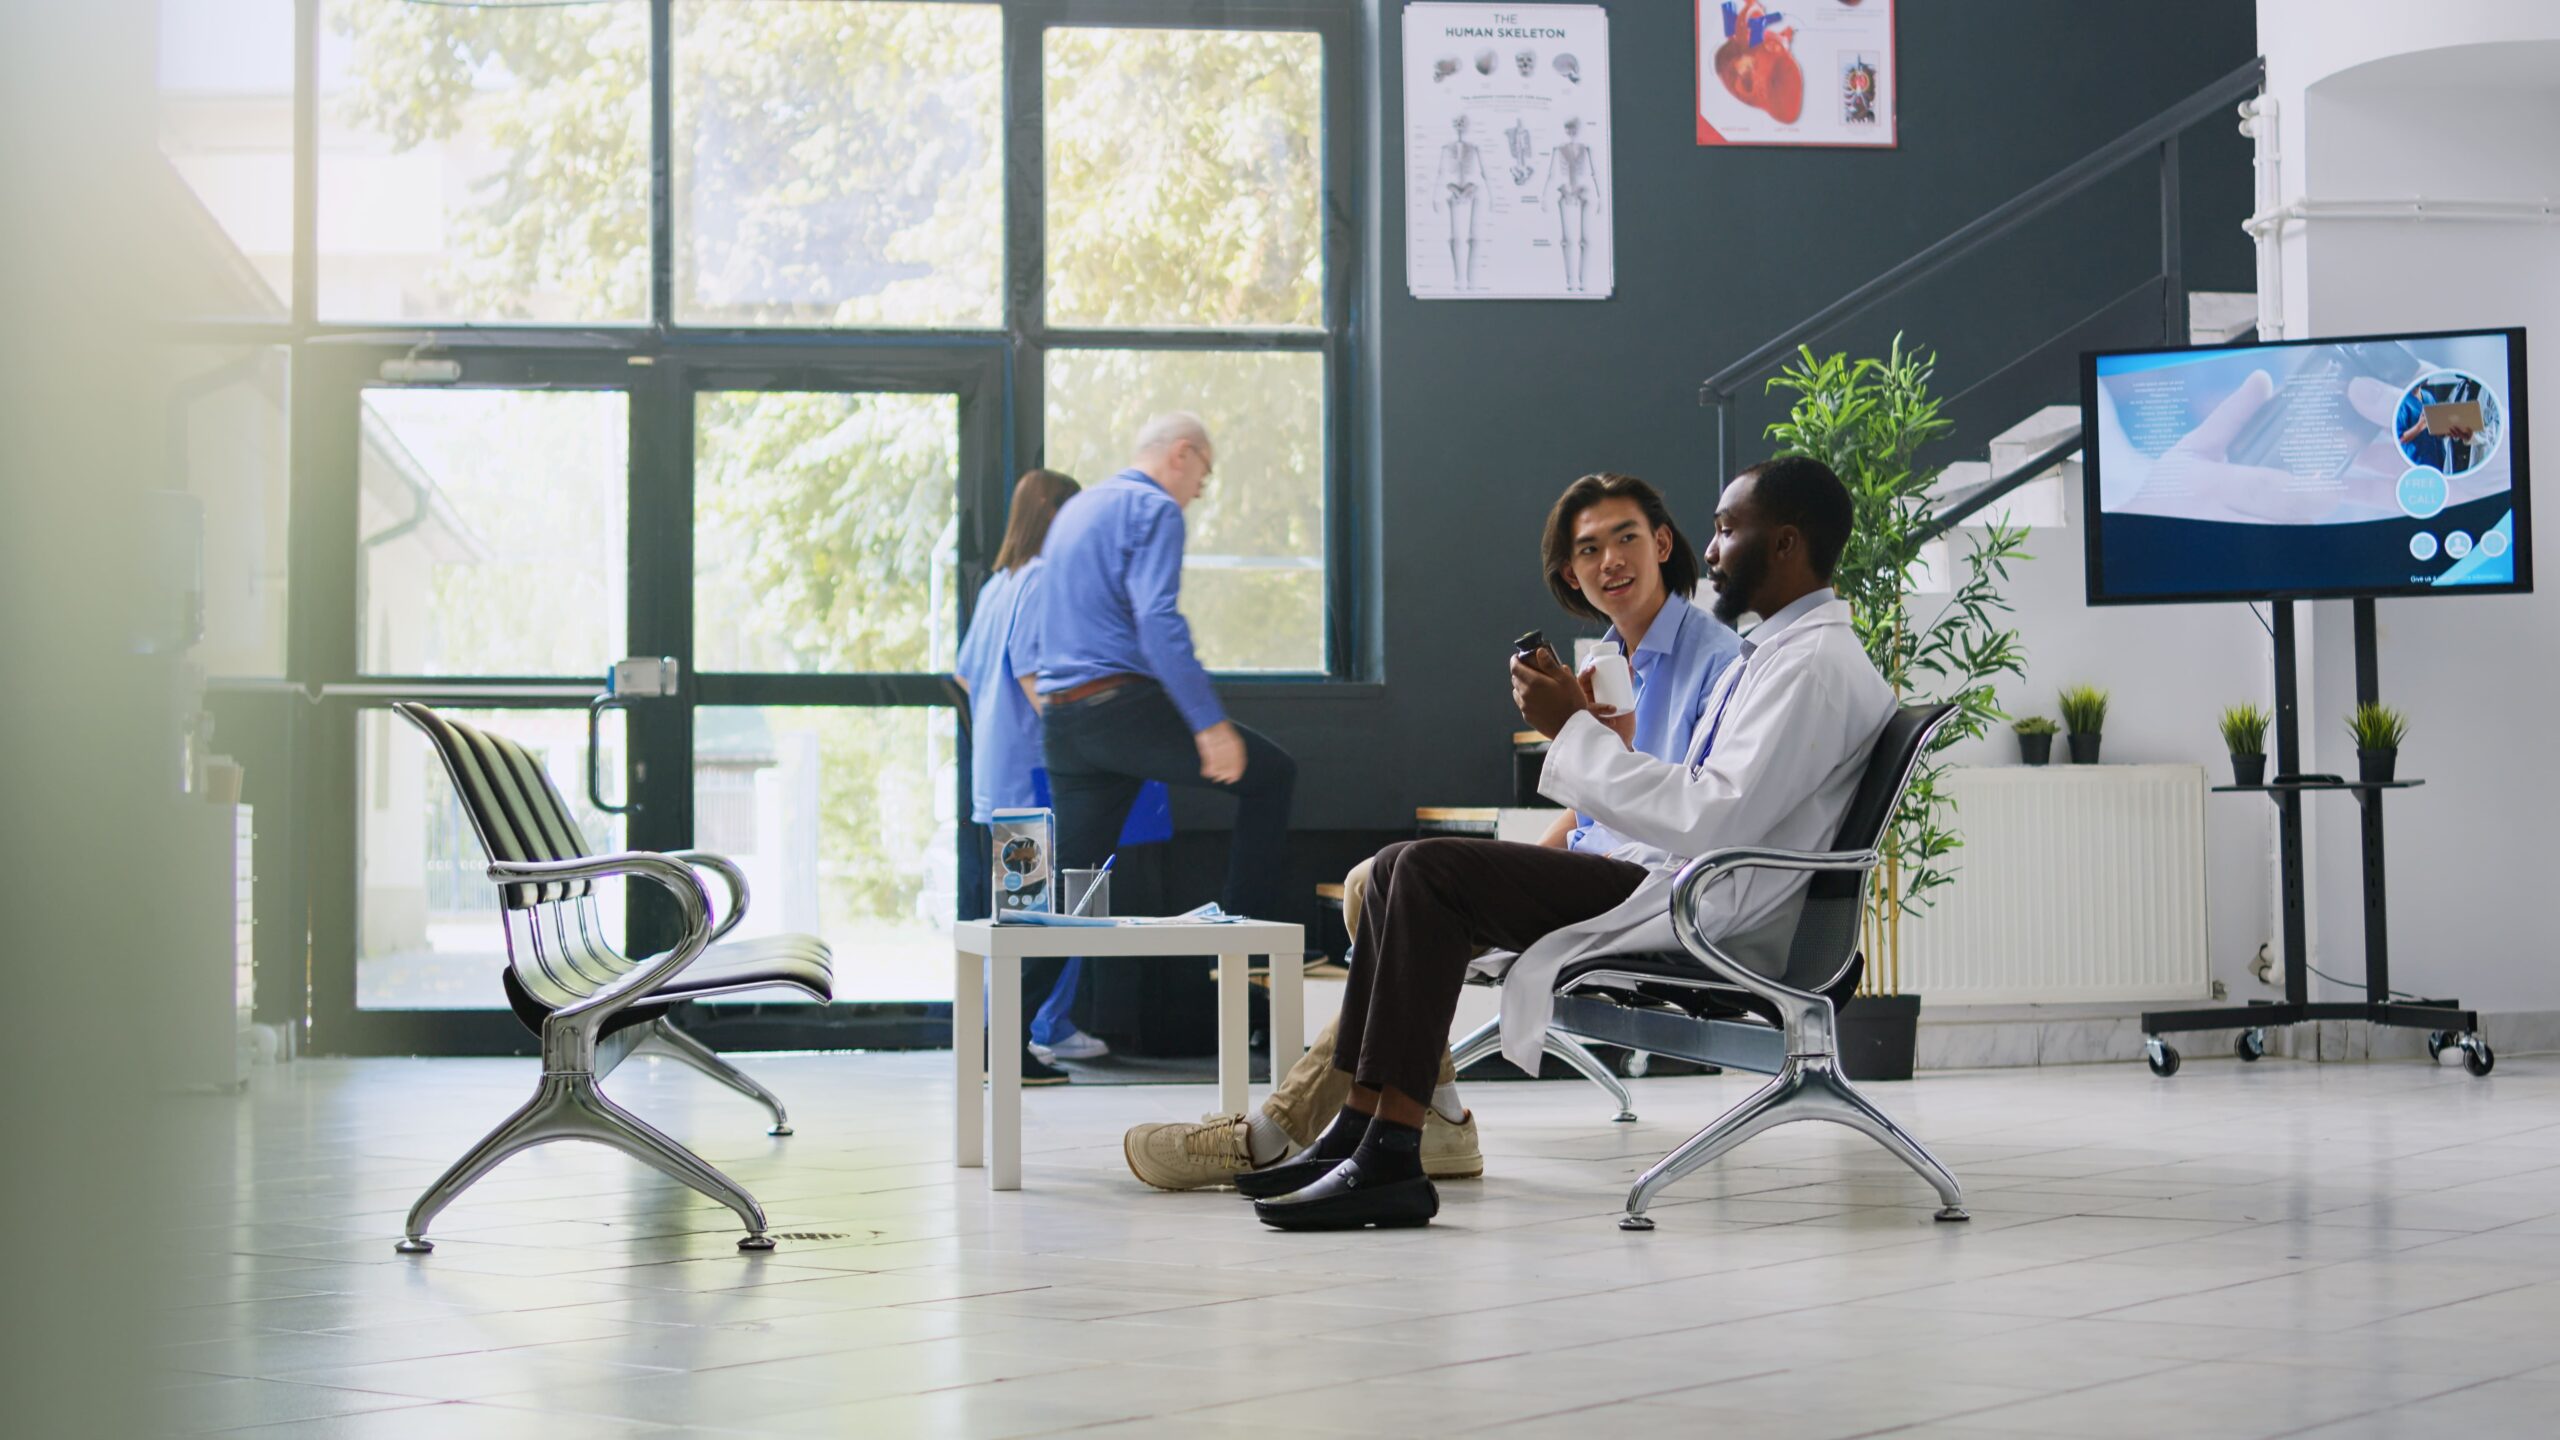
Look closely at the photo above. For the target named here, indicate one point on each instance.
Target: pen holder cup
(1077, 885)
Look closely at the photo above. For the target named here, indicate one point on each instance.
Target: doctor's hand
(1221, 753)
(1547, 693)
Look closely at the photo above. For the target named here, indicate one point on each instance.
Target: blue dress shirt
(1004, 731)
(1683, 653)
(1110, 604)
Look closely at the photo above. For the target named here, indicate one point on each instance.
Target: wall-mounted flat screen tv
(2377, 465)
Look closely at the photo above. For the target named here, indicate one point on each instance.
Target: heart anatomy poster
(1508, 190)
(1796, 72)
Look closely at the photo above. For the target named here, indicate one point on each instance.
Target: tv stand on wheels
(2447, 1024)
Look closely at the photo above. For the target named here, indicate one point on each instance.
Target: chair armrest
(1689, 889)
(671, 874)
(729, 873)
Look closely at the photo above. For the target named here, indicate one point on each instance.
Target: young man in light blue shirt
(1612, 553)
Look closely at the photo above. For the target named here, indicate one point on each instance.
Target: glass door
(474, 545)
(841, 518)
(802, 537)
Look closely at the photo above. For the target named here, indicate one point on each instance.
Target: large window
(839, 164)
(492, 531)
(484, 162)
(1184, 180)
(1185, 177)
(1253, 564)
(826, 532)
(527, 336)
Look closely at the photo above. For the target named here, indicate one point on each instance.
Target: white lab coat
(1805, 707)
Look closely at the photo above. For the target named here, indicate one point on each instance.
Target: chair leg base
(566, 1105)
(663, 1038)
(1624, 1117)
(1810, 1087)
(1635, 1222)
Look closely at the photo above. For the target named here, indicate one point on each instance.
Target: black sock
(1341, 1137)
(1389, 1152)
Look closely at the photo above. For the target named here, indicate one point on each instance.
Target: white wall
(2169, 670)
(2465, 105)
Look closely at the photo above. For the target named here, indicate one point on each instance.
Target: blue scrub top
(1004, 731)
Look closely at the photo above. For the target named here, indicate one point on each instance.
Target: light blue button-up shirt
(1110, 604)
(1004, 731)
(1683, 653)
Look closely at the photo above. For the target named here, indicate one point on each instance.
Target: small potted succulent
(2084, 709)
(2035, 740)
(2244, 734)
(2378, 729)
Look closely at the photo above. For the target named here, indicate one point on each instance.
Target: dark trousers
(1432, 905)
(1101, 750)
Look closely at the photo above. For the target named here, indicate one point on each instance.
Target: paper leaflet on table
(1208, 914)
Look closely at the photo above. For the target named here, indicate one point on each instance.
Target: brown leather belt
(1091, 688)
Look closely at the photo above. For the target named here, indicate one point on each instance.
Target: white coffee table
(999, 950)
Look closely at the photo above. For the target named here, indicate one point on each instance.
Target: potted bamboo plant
(2244, 734)
(2378, 730)
(2035, 740)
(1868, 420)
(2084, 709)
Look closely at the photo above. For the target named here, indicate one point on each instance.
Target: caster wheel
(2164, 1061)
(2478, 1058)
(2436, 1040)
(2251, 1046)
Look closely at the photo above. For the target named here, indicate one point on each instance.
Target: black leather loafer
(1286, 1178)
(1345, 1199)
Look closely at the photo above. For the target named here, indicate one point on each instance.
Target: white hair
(1168, 430)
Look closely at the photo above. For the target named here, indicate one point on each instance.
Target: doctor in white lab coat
(1775, 759)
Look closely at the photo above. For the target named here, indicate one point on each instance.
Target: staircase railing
(2153, 310)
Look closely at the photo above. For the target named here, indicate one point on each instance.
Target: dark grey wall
(1484, 410)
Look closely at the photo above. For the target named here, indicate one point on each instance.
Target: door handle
(595, 754)
(638, 678)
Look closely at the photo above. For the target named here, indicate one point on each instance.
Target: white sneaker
(1076, 1046)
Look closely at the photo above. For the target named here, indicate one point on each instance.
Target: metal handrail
(2070, 180)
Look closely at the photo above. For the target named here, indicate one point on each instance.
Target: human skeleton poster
(1509, 193)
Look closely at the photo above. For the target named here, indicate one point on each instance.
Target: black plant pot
(2035, 749)
(2084, 749)
(1878, 1034)
(2376, 767)
(2249, 769)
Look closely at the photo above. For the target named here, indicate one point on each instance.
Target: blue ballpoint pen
(1096, 887)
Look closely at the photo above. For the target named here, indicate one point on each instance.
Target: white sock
(1264, 1139)
(1445, 1100)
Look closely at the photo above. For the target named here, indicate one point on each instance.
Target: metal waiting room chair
(591, 1006)
(1706, 1006)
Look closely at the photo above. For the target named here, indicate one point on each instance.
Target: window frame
(662, 363)
(1025, 334)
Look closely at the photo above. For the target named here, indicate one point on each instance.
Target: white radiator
(2075, 883)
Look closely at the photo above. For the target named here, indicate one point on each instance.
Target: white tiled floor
(2241, 1251)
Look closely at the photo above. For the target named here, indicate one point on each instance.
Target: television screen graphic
(2389, 465)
